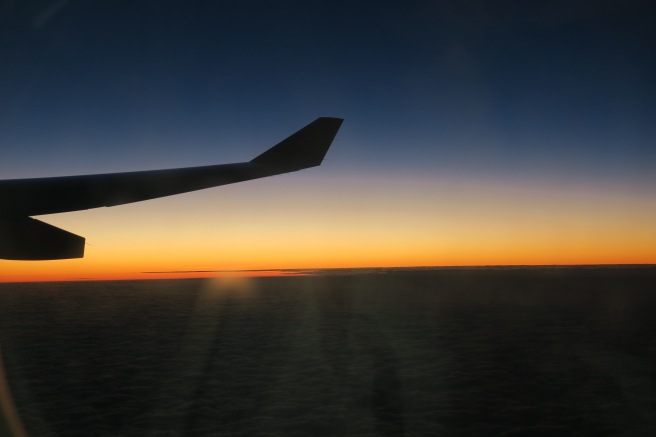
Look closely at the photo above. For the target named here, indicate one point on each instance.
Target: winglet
(303, 149)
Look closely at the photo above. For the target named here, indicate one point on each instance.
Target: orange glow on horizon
(353, 223)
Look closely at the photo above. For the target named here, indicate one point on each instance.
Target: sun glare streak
(232, 285)
(9, 416)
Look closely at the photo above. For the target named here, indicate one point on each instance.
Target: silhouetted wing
(20, 198)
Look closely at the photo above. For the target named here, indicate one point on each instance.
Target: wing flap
(29, 239)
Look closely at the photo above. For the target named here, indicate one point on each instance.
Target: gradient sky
(476, 132)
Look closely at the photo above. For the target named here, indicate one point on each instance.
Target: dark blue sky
(563, 89)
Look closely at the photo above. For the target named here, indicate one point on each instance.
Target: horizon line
(287, 272)
(474, 266)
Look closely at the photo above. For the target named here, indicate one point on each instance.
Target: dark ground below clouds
(462, 352)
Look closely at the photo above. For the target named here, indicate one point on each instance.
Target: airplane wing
(25, 238)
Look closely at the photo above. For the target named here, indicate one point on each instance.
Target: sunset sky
(475, 132)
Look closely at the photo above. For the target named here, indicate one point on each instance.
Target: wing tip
(305, 148)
